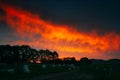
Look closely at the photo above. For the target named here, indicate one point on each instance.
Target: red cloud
(62, 38)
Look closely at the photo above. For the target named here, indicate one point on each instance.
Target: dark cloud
(102, 15)
(113, 54)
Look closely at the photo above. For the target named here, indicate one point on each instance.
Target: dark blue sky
(86, 15)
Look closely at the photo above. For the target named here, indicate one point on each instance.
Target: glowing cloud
(62, 38)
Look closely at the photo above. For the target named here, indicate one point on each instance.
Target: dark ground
(68, 75)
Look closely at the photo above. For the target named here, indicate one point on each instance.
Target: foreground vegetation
(35, 70)
(24, 53)
(94, 71)
(13, 59)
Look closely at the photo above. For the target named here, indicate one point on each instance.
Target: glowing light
(62, 38)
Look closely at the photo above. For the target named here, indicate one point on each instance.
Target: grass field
(94, 71)
(35, 70)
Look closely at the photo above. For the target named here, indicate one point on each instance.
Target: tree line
(24, 53)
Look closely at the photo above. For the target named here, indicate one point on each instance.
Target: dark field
(102, 71)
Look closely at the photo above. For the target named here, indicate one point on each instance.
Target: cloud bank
(32, 30)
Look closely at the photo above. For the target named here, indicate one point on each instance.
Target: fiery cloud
(65, 39)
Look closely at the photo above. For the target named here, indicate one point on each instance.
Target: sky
(73, 28)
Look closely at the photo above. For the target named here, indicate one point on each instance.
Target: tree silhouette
(47, 55)
(24, 53)
(69, 60)
(5, 53)
(55, 55)
(85, 60)
(16, 53)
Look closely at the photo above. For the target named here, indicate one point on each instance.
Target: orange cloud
(63, 38)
